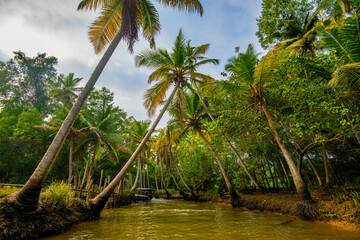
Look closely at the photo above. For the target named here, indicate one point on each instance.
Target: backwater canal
(177, 219)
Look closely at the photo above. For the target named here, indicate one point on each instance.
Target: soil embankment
(45, 221)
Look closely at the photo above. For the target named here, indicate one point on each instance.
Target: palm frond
(106, 26)
(347, 76)
(190, 6)
(92, 4)
(150, 21)
(155, 95)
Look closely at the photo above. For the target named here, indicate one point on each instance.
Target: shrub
(58, 196)
(339, 197)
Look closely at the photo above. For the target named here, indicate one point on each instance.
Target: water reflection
(169, 219)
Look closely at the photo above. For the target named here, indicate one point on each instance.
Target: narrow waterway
(176, 219)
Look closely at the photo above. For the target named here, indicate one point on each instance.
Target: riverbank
(46, 220)
(335, 207)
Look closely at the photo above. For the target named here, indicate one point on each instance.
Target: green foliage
(7, 191)
(340, 197)
(356, 198)
(58, 196)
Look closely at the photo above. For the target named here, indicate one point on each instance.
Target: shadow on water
(169, 219)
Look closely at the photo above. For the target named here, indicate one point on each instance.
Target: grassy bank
(58, 211)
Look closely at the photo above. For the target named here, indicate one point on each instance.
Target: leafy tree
(25, 80)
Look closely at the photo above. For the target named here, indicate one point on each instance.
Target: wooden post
(101, 176)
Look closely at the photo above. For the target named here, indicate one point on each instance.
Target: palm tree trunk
(137, 175)
(148, 177)
(71, 145)
(228, 142)
(314, 169)
(28, 197)
(85, 175)
(186, 186)
(90, 171)
(163, 182)
(156, 182)
(326, 160)
(271, 174)
(300, 185)
(285, 172)
(233, 194)
(100, 200)
(141, 176)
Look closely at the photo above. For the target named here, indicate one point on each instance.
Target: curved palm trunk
(163, 182)
(137, 175)
(314, 169)
(229, 143)
(233, 194)
(186, 186)
(300, 185)
(285, 172)
(326, 167)
(100, 200)
(28, 197)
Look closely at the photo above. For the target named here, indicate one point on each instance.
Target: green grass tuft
(7, 191)
(58, 196)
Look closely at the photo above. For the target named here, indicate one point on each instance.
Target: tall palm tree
(118, 20)
(259, 77)
(193, 52)
(170, 68)
(194, 113)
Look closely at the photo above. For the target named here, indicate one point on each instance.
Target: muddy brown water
(177, 219)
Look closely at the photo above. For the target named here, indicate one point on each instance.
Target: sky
(56, 28)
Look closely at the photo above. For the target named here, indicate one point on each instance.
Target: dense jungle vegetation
(286, 119)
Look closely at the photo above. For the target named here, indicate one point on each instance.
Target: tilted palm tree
(258, 78)
(118, 20)
(165, 142)
(136, 133)
(194, 113)
(193, 52)
(170, 69)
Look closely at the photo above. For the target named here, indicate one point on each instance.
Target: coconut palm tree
(118, 20)
(102, 136)
(193, 52)
(194, 114)
(170, 68)
(64, 90)
(136, 133)
(165, 141)
(258, 78)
